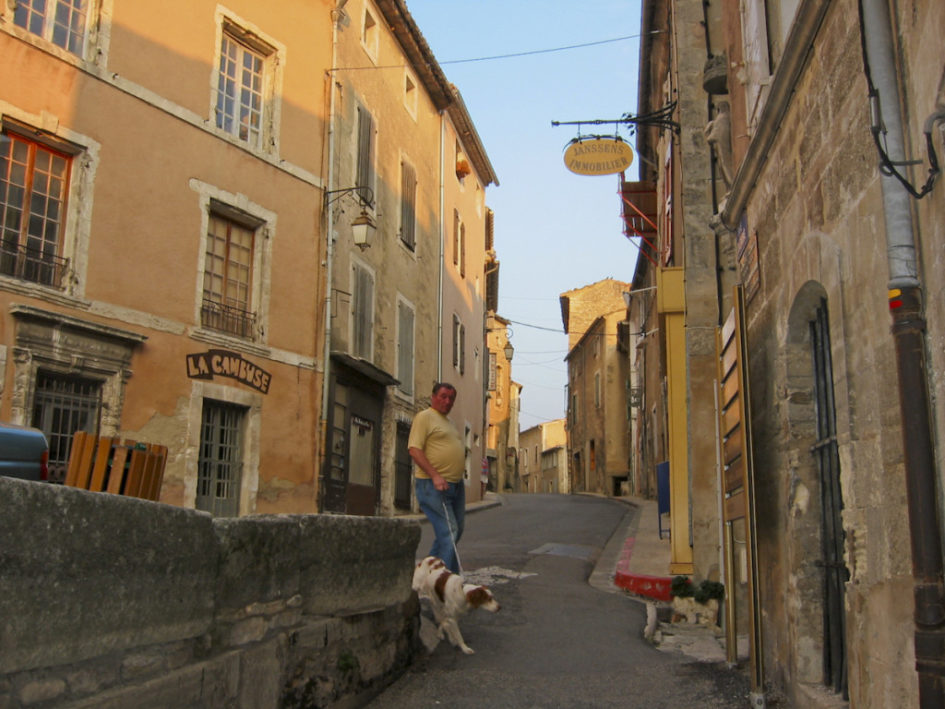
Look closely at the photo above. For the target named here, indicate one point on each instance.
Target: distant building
(543, 458)
(597, 413)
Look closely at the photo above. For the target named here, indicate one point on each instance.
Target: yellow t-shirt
(439, 440)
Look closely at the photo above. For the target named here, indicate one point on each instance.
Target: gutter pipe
(908, 329)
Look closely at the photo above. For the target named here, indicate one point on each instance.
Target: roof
(445, 96)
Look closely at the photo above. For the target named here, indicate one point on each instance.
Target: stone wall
(107, 601)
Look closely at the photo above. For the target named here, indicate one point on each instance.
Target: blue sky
(554, 230)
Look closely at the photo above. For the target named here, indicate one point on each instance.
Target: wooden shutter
(408, 207)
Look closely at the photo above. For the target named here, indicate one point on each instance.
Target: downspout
(439, 290)
(336, 15)
(908, 329)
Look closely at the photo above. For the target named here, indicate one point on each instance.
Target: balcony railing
(32, 265)
(228, 319)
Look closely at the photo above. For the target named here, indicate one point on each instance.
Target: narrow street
(557, 641)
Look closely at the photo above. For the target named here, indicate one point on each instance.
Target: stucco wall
(112, 602)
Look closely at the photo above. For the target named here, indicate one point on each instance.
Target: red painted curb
(655, 587)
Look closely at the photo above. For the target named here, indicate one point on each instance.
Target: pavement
(635, 561)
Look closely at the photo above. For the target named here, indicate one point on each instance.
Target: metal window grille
(63, 405)
(220, 463)
(34, 182)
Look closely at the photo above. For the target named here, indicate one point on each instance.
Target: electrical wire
(887, 166)
(511, 55)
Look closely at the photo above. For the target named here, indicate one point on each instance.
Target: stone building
(597, 421)
(500, 451)
(243, 268)
(543, 458)
(788, 188)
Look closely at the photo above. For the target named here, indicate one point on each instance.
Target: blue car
(24, 452)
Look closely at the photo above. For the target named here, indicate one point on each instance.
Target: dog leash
(449, 526)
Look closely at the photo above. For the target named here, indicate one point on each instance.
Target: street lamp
(363, 227)
(509, 351)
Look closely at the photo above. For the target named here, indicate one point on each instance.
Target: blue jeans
(446, 511)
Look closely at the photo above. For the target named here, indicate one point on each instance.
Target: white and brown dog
(450, 598)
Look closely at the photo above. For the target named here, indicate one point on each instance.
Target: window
(362, 311)
(408, 205)
(242, 85)
(370, 34)
(459, 345)
(410, 94)
(492, 371)
(597, 389)
(228, 273)
(459, 243)
(405, 334)
(365, 166)
(220, 461)
(62, 22)
(63, 405)
(34, 182)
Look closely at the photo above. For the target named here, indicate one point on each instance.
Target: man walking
(440, 456)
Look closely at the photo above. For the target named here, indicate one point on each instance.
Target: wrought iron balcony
(228, 319)
(32, 265)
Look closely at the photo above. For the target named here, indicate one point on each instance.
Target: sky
(554, 231)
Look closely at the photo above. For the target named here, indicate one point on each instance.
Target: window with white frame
(408, 205)
(459, 345)
(406, 317)
(243, 88)
(34, 184)
(64, 23)
(362, 311)
(365, 148)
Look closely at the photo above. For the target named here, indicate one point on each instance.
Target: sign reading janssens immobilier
(598, 156)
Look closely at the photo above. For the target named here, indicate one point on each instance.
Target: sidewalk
(636, 559)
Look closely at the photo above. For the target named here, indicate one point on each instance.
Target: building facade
(543, 458)
(597, 421)
(808, 111)
(235, 240)
(500, 453)
(160, 279)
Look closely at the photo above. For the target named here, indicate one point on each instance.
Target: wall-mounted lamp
(363, 227)
(509, 351)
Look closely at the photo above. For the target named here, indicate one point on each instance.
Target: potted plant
(696, 604)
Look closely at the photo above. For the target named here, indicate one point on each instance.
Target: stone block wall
(107, 601)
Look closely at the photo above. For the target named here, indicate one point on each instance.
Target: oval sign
(598, 156)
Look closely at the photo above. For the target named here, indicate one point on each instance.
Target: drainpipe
(439, 285)
(908, 329)
(336, 16)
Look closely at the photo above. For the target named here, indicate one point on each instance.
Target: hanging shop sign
(231, 365)
(600, 155)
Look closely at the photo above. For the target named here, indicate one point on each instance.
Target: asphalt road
(557, 642)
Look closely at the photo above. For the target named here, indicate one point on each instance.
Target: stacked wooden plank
(120, 467)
